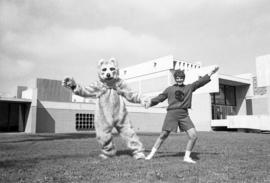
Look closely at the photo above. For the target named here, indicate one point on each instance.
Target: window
(213, 99)
(85, 122)
(230, 95)
(220, 97)
(226, 96)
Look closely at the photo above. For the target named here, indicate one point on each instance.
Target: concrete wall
(30, 126)
(201, 111)
(60, 117)
(260, 106)
(147, 122)
(52, 90)
(20, 89)
(259, 122)
(151, 83)
(263, 70)
(56, 117)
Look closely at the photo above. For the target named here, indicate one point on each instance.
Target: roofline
(234, 78)
(18, 100)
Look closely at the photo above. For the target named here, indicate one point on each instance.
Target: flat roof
(233, 80)
(16, 100)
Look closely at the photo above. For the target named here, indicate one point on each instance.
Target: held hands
(214, 71)
(146, 102)
(69, 83)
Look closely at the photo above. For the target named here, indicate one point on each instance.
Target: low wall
(60, 117)
(258, 122)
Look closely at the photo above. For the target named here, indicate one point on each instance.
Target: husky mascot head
(108, 71)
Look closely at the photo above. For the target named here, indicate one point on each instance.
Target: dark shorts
(175, 118)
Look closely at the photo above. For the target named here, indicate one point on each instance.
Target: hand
(214, 70)
(146, 103)
(69, 82)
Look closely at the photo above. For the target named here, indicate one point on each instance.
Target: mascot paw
(69, 82)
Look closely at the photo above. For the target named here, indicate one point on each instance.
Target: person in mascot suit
(111, 111)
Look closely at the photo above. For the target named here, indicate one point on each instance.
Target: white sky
(56, 38)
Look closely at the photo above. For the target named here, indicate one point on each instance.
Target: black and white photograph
(133, 91)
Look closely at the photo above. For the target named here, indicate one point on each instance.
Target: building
(224, 95)
(227, 102)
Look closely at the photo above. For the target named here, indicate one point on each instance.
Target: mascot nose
(108, 75)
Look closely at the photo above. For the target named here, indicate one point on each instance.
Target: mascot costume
(111, 111)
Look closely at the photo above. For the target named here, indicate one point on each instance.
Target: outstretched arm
(83, 91)
(213, 71)
(154, 101)
(204, 80)
(131, 96)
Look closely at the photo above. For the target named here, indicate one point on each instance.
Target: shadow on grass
(48, 137)
(18, 164)
(30, 162)
(124, 152)
(194, 155)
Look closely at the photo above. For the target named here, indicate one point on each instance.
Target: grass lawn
(221, 157)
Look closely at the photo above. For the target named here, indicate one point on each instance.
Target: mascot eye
(112, 69)
(104, 69)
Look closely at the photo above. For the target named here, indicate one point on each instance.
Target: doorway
(13, 116)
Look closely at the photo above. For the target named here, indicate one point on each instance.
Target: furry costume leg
(126, 130)
(105, 138)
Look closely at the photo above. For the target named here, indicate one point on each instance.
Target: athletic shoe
(139, 155)
(103, 156)
(189, 160)
(150, 156)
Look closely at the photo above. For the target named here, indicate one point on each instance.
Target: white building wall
(200, 112)
(60, 117)
(31, 122)
(156, 65)
(158, 81)
(193, 75)
(77, 98)
(28, 94)
(248, 77)
(263, 70)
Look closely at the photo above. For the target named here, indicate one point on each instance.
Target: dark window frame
(214, 101)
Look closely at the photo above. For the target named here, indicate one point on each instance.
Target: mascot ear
(100, 62)
(114, 61)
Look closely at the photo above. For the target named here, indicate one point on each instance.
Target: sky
(57, 38)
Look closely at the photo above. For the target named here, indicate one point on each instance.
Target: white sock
(153, 151)
(187, 154)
